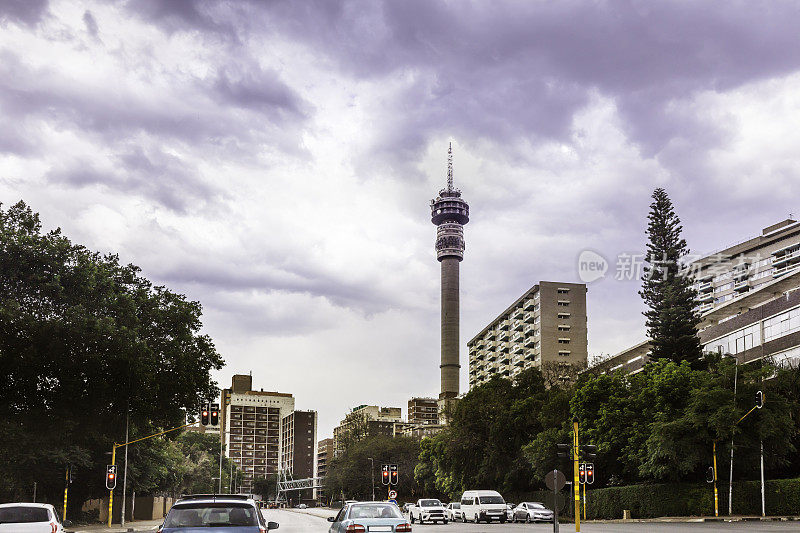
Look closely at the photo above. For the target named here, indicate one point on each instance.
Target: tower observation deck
(449, 212)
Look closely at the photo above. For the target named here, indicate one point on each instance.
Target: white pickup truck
(427, 510)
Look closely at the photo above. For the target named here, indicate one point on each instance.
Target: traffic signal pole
(114, 460)
(716, 495)
(576, 485)
(111, 491)
(66, 488)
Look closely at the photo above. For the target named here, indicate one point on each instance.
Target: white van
(482, 505)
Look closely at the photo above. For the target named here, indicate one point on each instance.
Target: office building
(544, 328)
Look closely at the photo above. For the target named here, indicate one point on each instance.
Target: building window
(563, 315)
(563, 327)
(563, 341)
(564, 352)
(782, 324)
(563, 303)
(563, 290)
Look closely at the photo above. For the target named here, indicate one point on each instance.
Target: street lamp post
(372, 476)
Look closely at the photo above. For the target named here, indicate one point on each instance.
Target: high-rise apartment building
(545, 328)
(263, 434)
(423, 411)
(749, 300)
(324, 454)
(299, 448)
(367, 420)
(747, 266)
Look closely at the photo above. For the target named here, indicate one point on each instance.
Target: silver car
(453, 511)
(363, 517)
(30, 518)
(532, 512)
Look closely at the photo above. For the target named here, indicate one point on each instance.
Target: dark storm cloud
(153, 174)
(28, 12)
(115, 113)
(488, 71)
(90, 22)
(253, 88)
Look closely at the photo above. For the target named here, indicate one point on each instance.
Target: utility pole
(730, 480)
(372, 476)
(66, 489)
(125, 469)
(34, 492)
(763, 508)
(111, 491)
(576, 487)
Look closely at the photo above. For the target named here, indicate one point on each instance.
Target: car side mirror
(273, 525)
(331, 519)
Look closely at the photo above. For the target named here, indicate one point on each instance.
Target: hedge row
(782, 497)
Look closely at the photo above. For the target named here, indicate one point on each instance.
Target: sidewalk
(138, 525)
(693, 519)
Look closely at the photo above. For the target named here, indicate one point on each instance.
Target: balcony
(531, 330)
(531, 342)
(518, 348)
(705, 287)
(502, 335)
(517, 314)
(741, 286)
(503, 325)
(517, 337)
(481, 343)
(788, 256)
(705, 298)
(503, 348)
(530, 317)
(490, 335)
(518, 325)
(705, 307)
(528, 305)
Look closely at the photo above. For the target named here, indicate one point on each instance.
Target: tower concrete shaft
(449, 212)
(450, 364)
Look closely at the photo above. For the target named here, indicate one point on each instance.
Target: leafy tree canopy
(83, 340)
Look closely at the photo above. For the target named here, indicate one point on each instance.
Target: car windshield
(374, 510)
(456, 506)
(491, 499)
(536, 506)
(430, 503)
(212, 515)
(23, 514)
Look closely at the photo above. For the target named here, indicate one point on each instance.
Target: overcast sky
(275, 160)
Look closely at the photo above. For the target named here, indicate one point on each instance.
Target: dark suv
(225, 513)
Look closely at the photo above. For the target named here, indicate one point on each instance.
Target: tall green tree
(672, 318)
(84, 340)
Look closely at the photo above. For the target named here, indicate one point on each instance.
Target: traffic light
(214, 414)
(582, 473)
(710, 475)
(111, 477)
(393, 475)
(564, 450)
(385, 474)
(204, 415)
(759, 399)
(589, 451)
(589, 473)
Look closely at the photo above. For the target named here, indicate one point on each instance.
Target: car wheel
(502, 519)
(444, 522)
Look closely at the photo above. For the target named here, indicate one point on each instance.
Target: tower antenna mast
(450, 167)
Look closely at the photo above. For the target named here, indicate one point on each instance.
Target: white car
(30, 518)
(454, 511)
(532, 512)
(427, 510)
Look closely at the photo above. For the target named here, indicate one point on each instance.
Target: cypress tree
(672, 318)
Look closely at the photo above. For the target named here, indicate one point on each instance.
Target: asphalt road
(302, 521)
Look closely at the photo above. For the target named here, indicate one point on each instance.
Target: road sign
(392, 494)
(555, 480)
